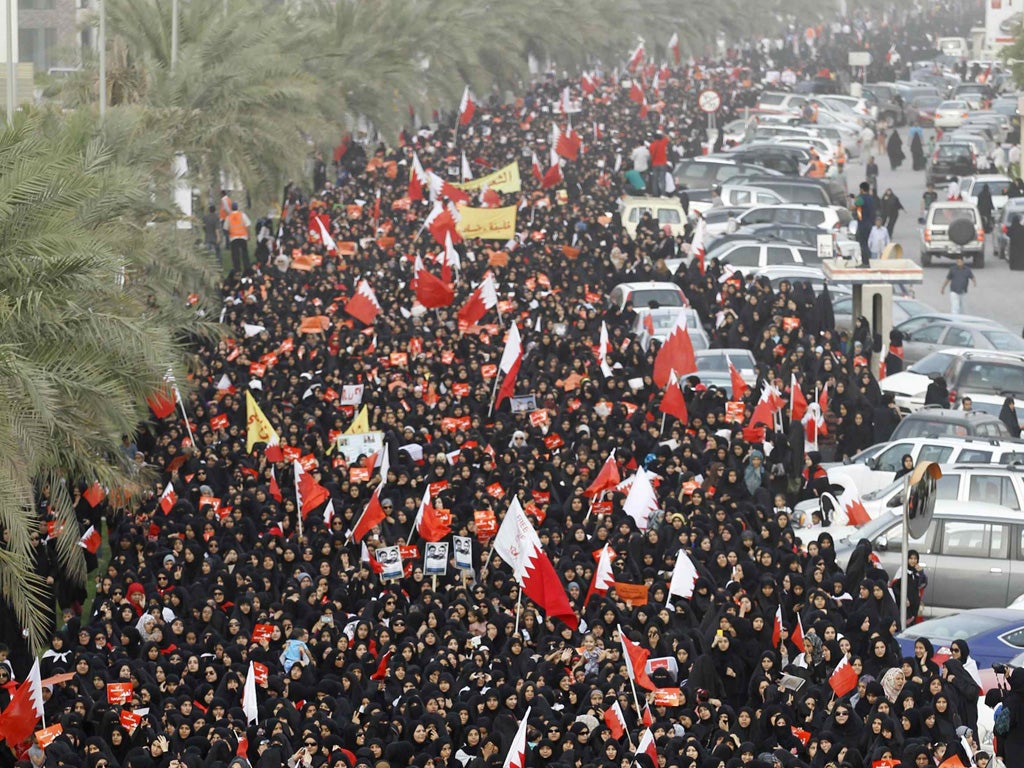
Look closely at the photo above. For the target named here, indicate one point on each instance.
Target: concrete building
(49, 33)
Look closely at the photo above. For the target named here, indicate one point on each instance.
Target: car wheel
(926, 259)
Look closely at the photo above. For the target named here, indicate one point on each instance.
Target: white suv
(825, 218)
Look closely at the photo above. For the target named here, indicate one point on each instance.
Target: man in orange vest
(237, 225)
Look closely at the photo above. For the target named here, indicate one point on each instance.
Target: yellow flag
(487, 223)
(360, 424)
(502, 180)
(260, 430)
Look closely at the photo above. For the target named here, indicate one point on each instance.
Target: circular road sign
(709, 101)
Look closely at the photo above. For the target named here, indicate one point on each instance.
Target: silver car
(941, 334)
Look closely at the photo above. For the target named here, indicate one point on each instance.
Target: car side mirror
(872, 463)
(882, 543)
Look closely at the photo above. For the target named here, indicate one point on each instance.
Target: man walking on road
(658, 149)
(957, 279)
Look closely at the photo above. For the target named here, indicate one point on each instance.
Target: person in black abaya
(823, 317)
(1008, 415)
(986, 208)
(894, 148)
(1015, 252)
(937, 392)
(917, 152)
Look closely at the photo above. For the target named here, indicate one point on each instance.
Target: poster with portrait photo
(391, 561)
(435, 558)
(463, 552)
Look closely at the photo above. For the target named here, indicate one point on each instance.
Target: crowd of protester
(437, 671)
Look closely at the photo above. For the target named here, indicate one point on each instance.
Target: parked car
(935, 421)
(823, 217)
(940, 334)
(876, 467)
(666, 211)
(951, 159)
(781, 102)
(805, 190)
(998, 186)
(803, 234)
(921, 109)
(961, 482)
(970, 553)
(949, 114)
(656, 324)
(705, 172)
(787, 160)
(738, 195)
(994, 635)
(903, 308)
(967, 372)
(713, 367)
(975, 94)
(642, 294)
(889, 107)
(935, 242)
(752, 253)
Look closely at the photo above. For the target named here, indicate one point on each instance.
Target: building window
(36, 5)
(37, 46)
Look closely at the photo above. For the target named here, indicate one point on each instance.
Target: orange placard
(261, 673)
(734, 412)
(315, 324)
(411, 552)
(790, 323)
(213, 501)
(486, 524)
(308, 462)
(460, 389)
(119, 693)
(291, 453)
(358, 475)
(46, 736)
(539, 417)
(488, 371)
(495, 490)
(130, 720)
(257, 369)
(633, 594)
(399, 359)
(436, 488)
(262, 632)
(667, 697)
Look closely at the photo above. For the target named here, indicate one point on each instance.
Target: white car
(875, 468)
(655, 325)
(998, 186)
(951, 114)
(823, 217)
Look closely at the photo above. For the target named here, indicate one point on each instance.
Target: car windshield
(960, 626)
(935, 363)
(994, 187)
(664, 297)
(1004, 340)
(925, 427)
(718, 361)
(915, 308)
(947, 151)
(993, 376)
(943, 216)
(663, 321)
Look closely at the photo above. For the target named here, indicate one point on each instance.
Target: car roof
(644, 200)
(720, 351)
(989, 177)
(938, 413)
(635, 286)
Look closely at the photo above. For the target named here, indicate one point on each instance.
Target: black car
(789, 161)
(791, 233)
(951, 159)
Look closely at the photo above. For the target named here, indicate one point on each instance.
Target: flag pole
(519, 607)
(494, 394)
(298, 503)
(376, 214)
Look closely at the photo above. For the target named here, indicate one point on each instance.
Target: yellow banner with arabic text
(502, 180)
(487, 223)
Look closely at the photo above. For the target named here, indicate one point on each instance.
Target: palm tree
(81, 347)
(237, 102)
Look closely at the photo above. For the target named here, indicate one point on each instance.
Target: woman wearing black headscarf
(1008, 415)
(894, 148)
(965, 692)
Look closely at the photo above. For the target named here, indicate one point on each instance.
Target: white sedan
(951, 114)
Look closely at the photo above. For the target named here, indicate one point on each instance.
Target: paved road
(1000, 292)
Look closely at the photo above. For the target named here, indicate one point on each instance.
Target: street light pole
(12, 94)
(174, 34)
(1020, 124)
(102, 44)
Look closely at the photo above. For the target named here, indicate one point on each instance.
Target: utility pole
(102, 44)
(174, 34)
(12, 88)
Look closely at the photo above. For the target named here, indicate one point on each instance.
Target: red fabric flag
(797, 401)
(94, 494)
(636, 93)
(168, 498)
(676, 354)
(428, 523)
(441, 224)
(417, 179)
(673, 402)
(310, 493)
(777, 628)
(648, 718)
(739, 386)
(431, 292)
(467, 108)
(363, 305)
(604, 578)
(568, 144)
(636, 58)
(535, 169)
(382, 667)
(91, 540)
(485, 297)
(275, 490)
(552, 177)
(615, 720)
(648, 746)
(843, 679)
(372, 516)
(511, 360)
(797, 636)
(18, 721)
(587, 84)
(162, 402)
(606, 479)
(637, 657)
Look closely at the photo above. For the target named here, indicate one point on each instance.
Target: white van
(875, 468)
(665, 210)
(953, 46)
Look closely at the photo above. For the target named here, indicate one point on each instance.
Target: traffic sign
(709, 101)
